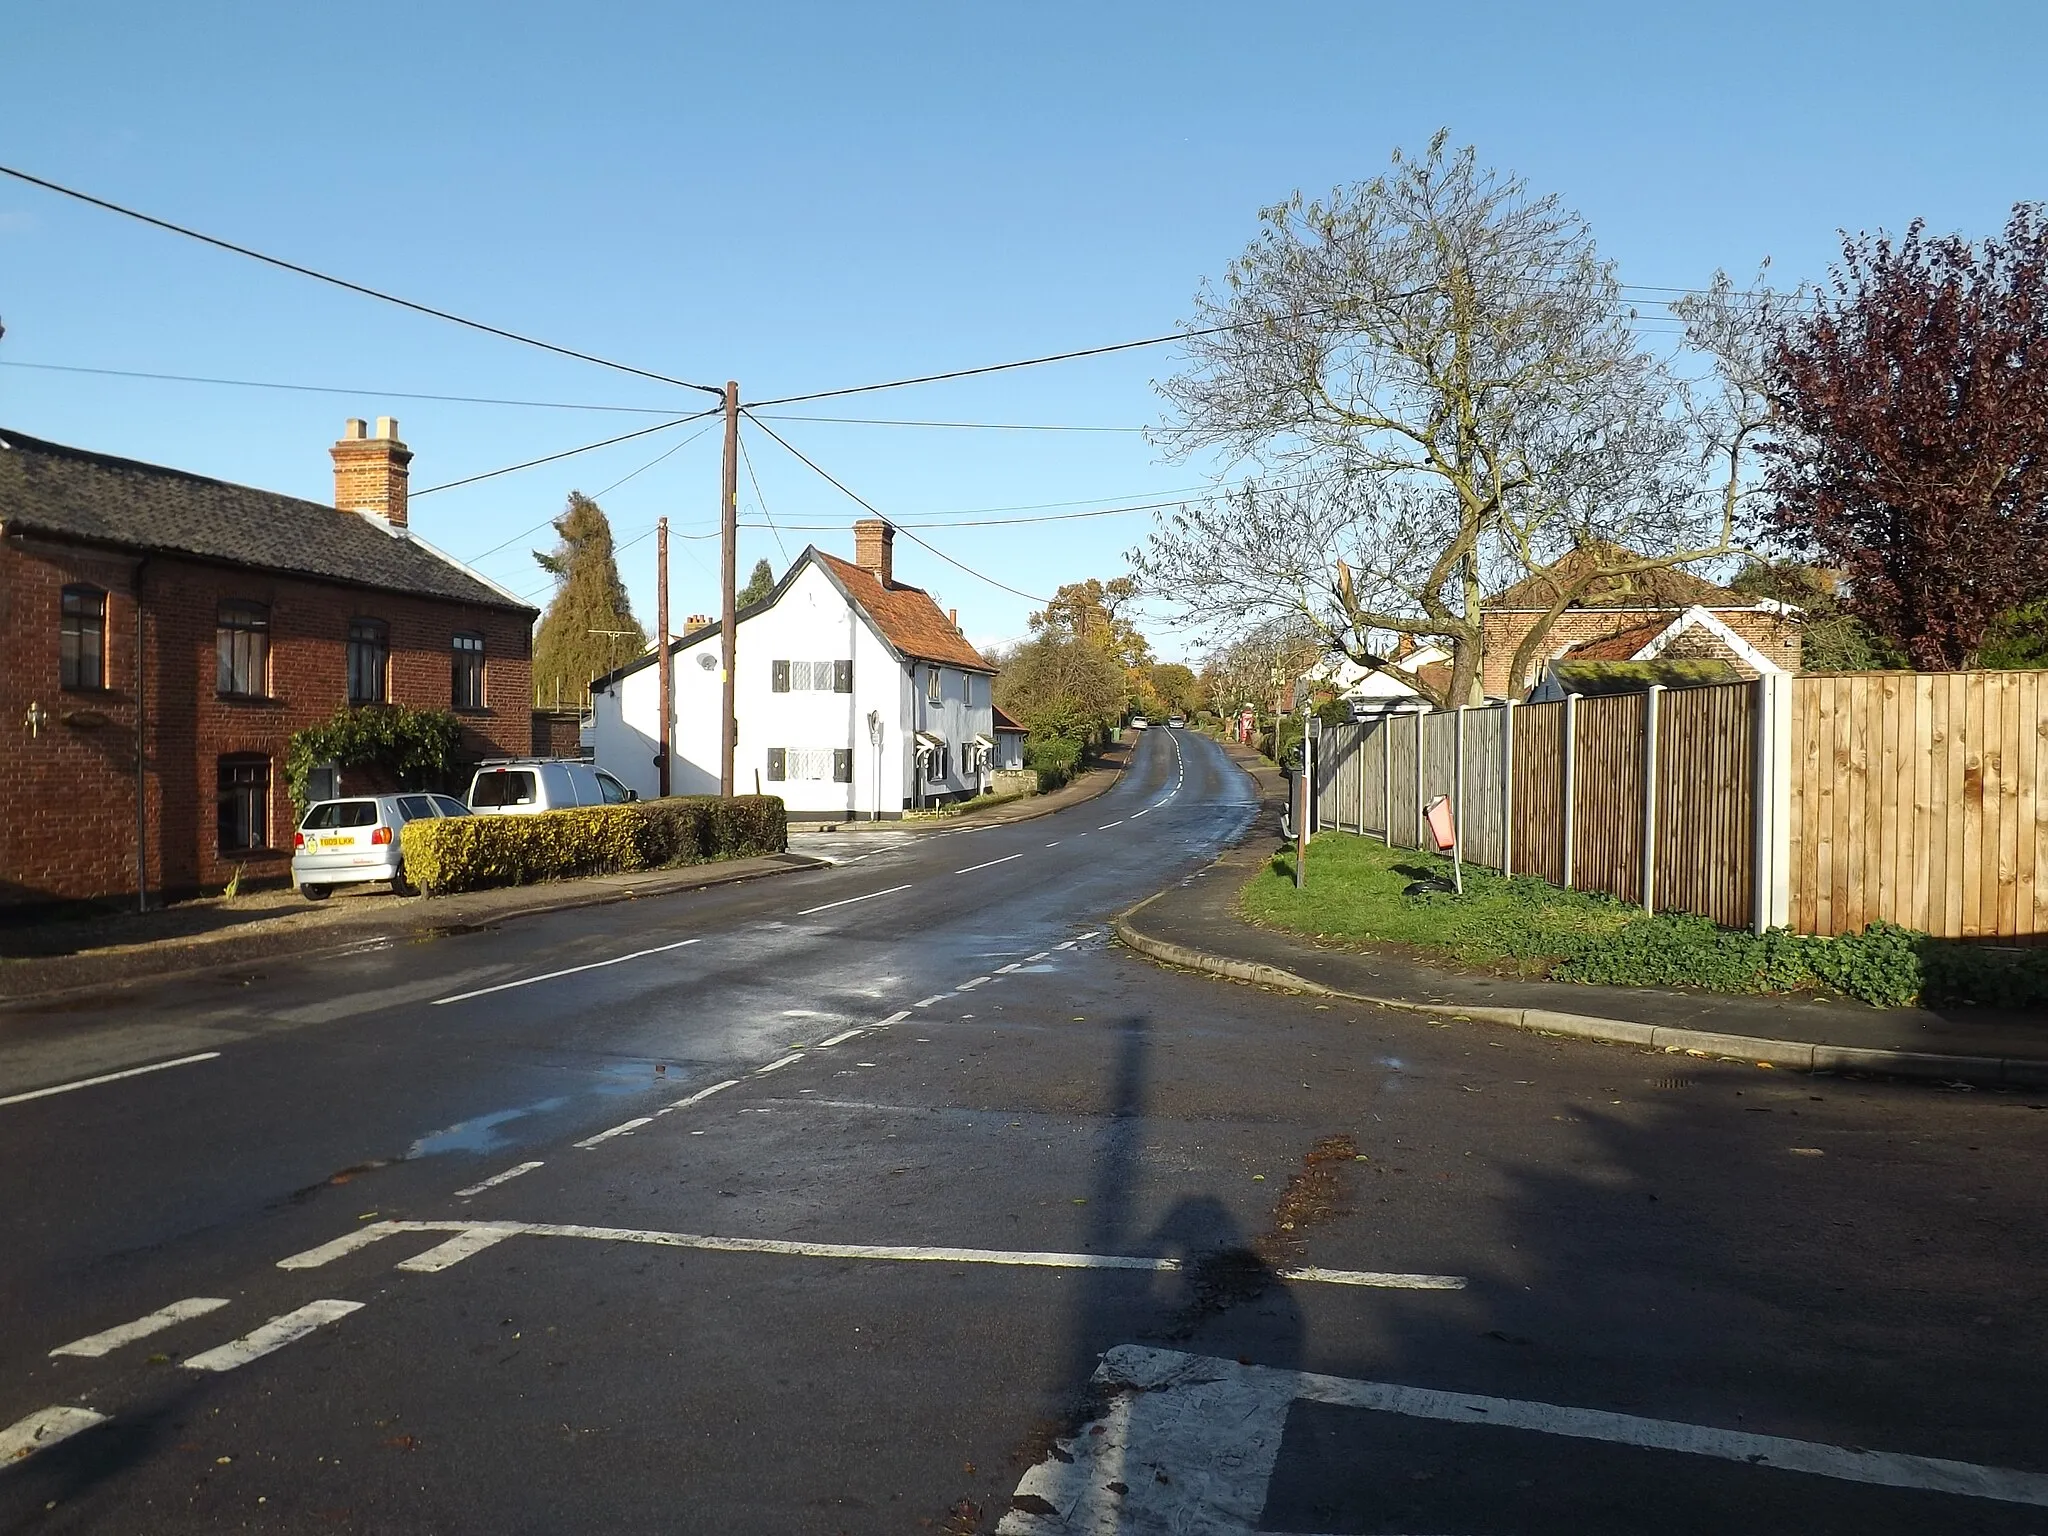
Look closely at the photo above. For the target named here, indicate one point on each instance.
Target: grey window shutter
(842, 677)
(842, 765)
(778, 680)
(777, 755)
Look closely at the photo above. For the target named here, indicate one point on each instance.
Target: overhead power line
(862, 501)
(335, 389)
(544, 522)
(566, 453)
(352, 287)
(762, 501)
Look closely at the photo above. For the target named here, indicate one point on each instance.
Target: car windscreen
(342, 813)
(492, 790)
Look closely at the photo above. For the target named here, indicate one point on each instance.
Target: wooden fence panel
(1607, 835)
(1406, 733)
(1918, 799)
(1706, 802)
(1481, 818)
(1539, 791)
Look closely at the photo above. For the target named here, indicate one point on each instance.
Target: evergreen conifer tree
(589, 626)
(759, 585)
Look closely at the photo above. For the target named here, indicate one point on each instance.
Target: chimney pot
(695, 622)
(953, 618)
(370, 473)
(874, 549)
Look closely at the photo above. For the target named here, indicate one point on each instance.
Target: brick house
(1640, 607)
(233, 617)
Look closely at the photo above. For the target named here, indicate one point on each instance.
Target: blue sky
(805, 196)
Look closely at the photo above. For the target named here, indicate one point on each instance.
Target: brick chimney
(370, 472)
(953, 618)
(874, 549)
(695, 622)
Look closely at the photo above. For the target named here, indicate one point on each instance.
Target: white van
(526, 786)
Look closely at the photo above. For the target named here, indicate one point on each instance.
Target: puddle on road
(480, 1134)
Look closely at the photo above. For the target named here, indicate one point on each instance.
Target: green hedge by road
(470, 853)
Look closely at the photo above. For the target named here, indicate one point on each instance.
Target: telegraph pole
(662, 658)
(728, 580)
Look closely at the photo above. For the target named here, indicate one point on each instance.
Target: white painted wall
(814, 622)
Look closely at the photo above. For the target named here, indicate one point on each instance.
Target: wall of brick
(71, 832)
(558, 733)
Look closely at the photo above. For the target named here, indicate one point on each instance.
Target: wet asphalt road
(1710, 1251)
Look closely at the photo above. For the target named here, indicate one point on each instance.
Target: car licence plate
(337, 842)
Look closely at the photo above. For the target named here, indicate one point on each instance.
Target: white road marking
(107, 1077)
(93, 1345)
(1208, 1432)
(626, 1128)
(700, 1095)
(839, 1039)
(1108, 824)
(991, 864)
(42, 1429)
(969, 986)
(273, 1335)
(496, 1179)
(1093, 933)
(1004, 970)
(936, 997)
(1069, 944)
(871, 895)
(1034, 959)
(454, 1250)
(1053, 844)
(776, 1066)
(595, 965)
(374, 1231)
(895, 1018)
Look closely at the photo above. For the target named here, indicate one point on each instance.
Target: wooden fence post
(1650, 703)
(1759, 807)
(1507, 789)
(1570, 778)
(1458, 793)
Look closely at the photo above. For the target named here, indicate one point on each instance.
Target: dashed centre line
(1108, 824)
(991, 864)
(839, 1039)
(496, 1179)
(43, 1429)
(849, 901)
(936, 997)
(272, 1336)
(700, 1095)
(776, 1066)
(969, 986)
(94, 1345)
(108, 1077)
(595, 965)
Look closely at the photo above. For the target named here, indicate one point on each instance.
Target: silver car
(355, 841)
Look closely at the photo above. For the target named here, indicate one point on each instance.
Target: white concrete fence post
(1570, 778)
(1507, 789)
(1650, 704)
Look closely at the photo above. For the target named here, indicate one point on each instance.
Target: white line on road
(895, 1018)
(454, 1250)
(93, 1345)
(273, 1335)
(969, 986)
(991, 864)
(871, 895)
(625, 1128)
(42, 1429)
(107, 1077)
(776, 1066)
(936, 997)
(1053, 844)
(1108, 824)
(1069, 944)
(315, 1257)
(701, 1095)
(1034, 959)
(496, 1179)
(839, 1039)
(595, 965)
(1004, 970)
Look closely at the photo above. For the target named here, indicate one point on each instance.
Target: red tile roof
(1665, 586)
(1002, 721)
(1623, 644)
(906, 616)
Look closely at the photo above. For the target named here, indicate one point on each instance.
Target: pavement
(892, 1196)
(1197, 924)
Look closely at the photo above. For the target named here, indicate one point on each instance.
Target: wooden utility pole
(728, 580)
(662, 658)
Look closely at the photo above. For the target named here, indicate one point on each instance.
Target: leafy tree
(1434, 381)
(759, 585)
(1056, 686)
(1098, 614)
(1913, 445)
(589, 626)
(1831, 639)
(2017, 638)
(1176, 686)
(1260, 668)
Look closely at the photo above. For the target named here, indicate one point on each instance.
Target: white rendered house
(855, 696)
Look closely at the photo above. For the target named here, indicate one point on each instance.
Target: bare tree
(1432, 379)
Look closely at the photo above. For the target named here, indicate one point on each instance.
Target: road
(892, 1197)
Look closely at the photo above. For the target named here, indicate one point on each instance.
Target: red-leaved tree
(1912, 447)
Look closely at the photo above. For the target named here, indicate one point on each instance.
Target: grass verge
(1359, 890)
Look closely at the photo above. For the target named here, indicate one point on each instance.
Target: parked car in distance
(526, 786)
(1176, 722)
(1139, 722)
(354, 841)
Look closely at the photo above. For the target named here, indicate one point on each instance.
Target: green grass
(1360, 891)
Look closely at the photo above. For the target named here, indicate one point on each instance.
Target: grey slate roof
(69, 493)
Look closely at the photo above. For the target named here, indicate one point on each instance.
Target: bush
(1053, 758)
(470, 853)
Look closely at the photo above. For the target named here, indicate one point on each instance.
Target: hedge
(471, 853)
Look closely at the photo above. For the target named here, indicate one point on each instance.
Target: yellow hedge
(469, 853)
